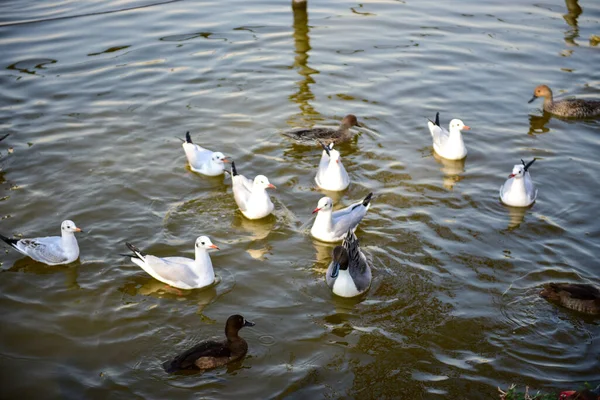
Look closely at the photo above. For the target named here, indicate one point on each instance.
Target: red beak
(271, 186)
(567, 393)
(511, 176)
(337, 161)
(467, 128)
(226, 159)
(212, 246)
(316, 210)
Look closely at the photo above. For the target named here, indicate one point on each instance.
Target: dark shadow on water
(30, 266)
(537, 123)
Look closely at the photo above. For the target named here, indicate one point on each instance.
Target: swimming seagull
(202, 160)
(179, 272)
(448, 145)
(328, 135)
(251, 196)
(51, 250)
(332, 226)
(331, 174)
(349, 274)
(569, 108)
(518, 190)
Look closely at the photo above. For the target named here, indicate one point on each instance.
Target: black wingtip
(367, 199)
(233, 170)
(188, 138)
(529, 164)
(135, 250)
(325, 147)
(437, 118)
(9, 241)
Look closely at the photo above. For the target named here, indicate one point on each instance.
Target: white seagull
(518, 190)
(349, 274)
(179, 272)
(448, 145)
(51, 250)
(332, 226)
(331, 174)
(251, 196)
(202, 160)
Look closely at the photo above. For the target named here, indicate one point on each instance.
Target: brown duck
(325, 135)
(569, 108)
(576, 296)
(210, 353)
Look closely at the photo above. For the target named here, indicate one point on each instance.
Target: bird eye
(203, 243)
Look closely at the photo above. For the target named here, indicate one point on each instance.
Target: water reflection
(29, 66)
(27, 265)
(452, 170)
(537, 123)
(258, 229)
(302, 46)
(516, 215)
(574, 11)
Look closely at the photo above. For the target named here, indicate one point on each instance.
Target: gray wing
(242, 189)
(529, 187)
(173, 269)
(348, 218)
(439, 134)
(196, 155)
(46, 249)
(359, 268)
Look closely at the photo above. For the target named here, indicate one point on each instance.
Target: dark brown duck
(569, 108)
(210, 353)
(325, 135)
(575, 296)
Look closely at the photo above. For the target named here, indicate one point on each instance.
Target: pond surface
(95, 95)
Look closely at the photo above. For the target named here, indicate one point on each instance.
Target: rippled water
(94, 95)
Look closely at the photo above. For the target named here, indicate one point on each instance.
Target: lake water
(95, 94)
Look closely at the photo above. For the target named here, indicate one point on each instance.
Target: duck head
(349, 121)
(541, 91)
(324, 204)
(68, 226)
(263, 182)
(234, 324)
(340, 260)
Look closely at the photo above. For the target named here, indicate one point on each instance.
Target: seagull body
(518, 190)
(332, 226)
(203, 161)
(179, 272)
(327, 135)
(51, 250)
(251, 196)
(448, 144)
(331, 174)
(349, 274)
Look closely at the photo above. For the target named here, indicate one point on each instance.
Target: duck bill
(248, 323)
(336, 270)
(532, 99)
(316, 210)
(214, 246)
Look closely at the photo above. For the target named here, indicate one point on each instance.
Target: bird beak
(226, 159)
(316, 210)
(336, 270)
(271, 186)
(248, 323)
(78, 230)
(337, 161)
(532, 99)
(511, 176)
(466, 128)
(213, 246)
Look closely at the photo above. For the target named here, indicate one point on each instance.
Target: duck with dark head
(210, 353)
(575, 296)
(325, 135)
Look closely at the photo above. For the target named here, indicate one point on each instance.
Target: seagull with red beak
(331, 174)
(518, 190)
(179, 272)
(448, 144)
(251, 196)
(202, 160)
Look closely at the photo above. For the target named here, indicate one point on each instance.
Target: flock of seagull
(349, 273)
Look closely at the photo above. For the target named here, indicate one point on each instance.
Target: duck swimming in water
(575, 296)
(568, 108)
(211, 353)
(326, 135)
(349, 274)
